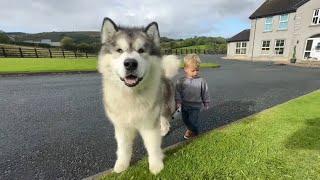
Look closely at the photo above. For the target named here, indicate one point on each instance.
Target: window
(318, 47)
(316, 17)
(279, 47)
(265, 47)
(268, 24)
(241, 48)
(283, 22)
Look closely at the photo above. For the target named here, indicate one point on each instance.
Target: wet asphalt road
(54, 127)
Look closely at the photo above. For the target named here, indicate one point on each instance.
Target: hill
(78, 36)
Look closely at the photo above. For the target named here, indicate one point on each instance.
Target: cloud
(176, 18)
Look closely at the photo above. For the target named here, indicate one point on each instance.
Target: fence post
(4, 52)
(21, 54)
(87, 54)
(176, 51)
(35, 51)
(50, 53)
(63, 54)
(75, 54)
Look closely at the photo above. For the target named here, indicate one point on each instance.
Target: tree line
(215, 44)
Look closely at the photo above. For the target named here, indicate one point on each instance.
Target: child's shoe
(189, 134)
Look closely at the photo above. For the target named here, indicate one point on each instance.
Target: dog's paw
(155, 167)
(120, 167)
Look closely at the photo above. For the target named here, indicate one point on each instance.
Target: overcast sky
(176, 19)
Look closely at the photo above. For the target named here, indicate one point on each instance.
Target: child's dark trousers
(190, 116)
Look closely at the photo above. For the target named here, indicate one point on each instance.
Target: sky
(176, 19)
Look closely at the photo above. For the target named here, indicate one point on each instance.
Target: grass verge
(31, 65)
(47, 65)
(282, 142)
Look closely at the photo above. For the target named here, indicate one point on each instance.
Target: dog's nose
(130, 64)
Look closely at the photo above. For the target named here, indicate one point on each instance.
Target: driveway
(54, 127)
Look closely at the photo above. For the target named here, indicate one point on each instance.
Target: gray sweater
(192, 91)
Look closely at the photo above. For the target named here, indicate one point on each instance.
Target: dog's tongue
(131, 80)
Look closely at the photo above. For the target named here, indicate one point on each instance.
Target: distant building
(278, 28)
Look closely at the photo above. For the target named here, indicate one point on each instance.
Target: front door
(312, 50)
(315, 50)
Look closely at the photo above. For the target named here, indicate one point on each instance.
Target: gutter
(254, 37)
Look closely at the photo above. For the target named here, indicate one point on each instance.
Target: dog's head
(128, 51)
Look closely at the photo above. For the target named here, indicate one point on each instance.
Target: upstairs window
(283, 22)
(241, 48)
(316, 17)
(268, 24)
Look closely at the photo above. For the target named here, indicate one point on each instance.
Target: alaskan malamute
(137, 91)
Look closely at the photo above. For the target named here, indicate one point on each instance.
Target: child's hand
(206, 106)
(178, 105)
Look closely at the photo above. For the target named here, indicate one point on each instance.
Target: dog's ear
(109, 28)
(153, 31)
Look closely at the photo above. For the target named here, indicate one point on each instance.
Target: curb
(109, 171)
(99, 175)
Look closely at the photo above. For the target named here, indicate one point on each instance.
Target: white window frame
(283, 21)
(316, 15)
(275, 47)
(242, 49)
(265, 50)
(266, 23)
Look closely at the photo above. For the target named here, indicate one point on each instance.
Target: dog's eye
(141, 51)
(119, 50)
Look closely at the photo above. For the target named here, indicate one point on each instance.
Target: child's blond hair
(192, 60)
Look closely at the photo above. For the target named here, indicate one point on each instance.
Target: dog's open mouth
(131, 80)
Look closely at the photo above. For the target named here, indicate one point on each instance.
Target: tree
(4, 38)
(68, 43)
(83, 47)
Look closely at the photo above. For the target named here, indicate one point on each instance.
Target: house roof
(277, 7)
(242, 36)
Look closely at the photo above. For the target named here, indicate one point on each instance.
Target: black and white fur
(138, 94)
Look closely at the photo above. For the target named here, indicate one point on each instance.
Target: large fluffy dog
(137, 90)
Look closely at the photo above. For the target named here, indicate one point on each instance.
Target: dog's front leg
(124, 137)
(152, 142)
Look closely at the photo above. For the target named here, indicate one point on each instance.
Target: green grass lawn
(36, 65)
(279, 143)
(32, 65)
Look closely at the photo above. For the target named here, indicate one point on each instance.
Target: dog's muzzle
(131, 79)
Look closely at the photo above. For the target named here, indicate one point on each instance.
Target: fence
(41, 53)
(189, 51)
(55, 53)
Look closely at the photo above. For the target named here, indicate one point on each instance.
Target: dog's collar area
(131, 80)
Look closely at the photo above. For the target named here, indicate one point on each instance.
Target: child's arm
(205, 95)
(178, 98)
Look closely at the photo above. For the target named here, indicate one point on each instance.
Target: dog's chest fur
(133, 107)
